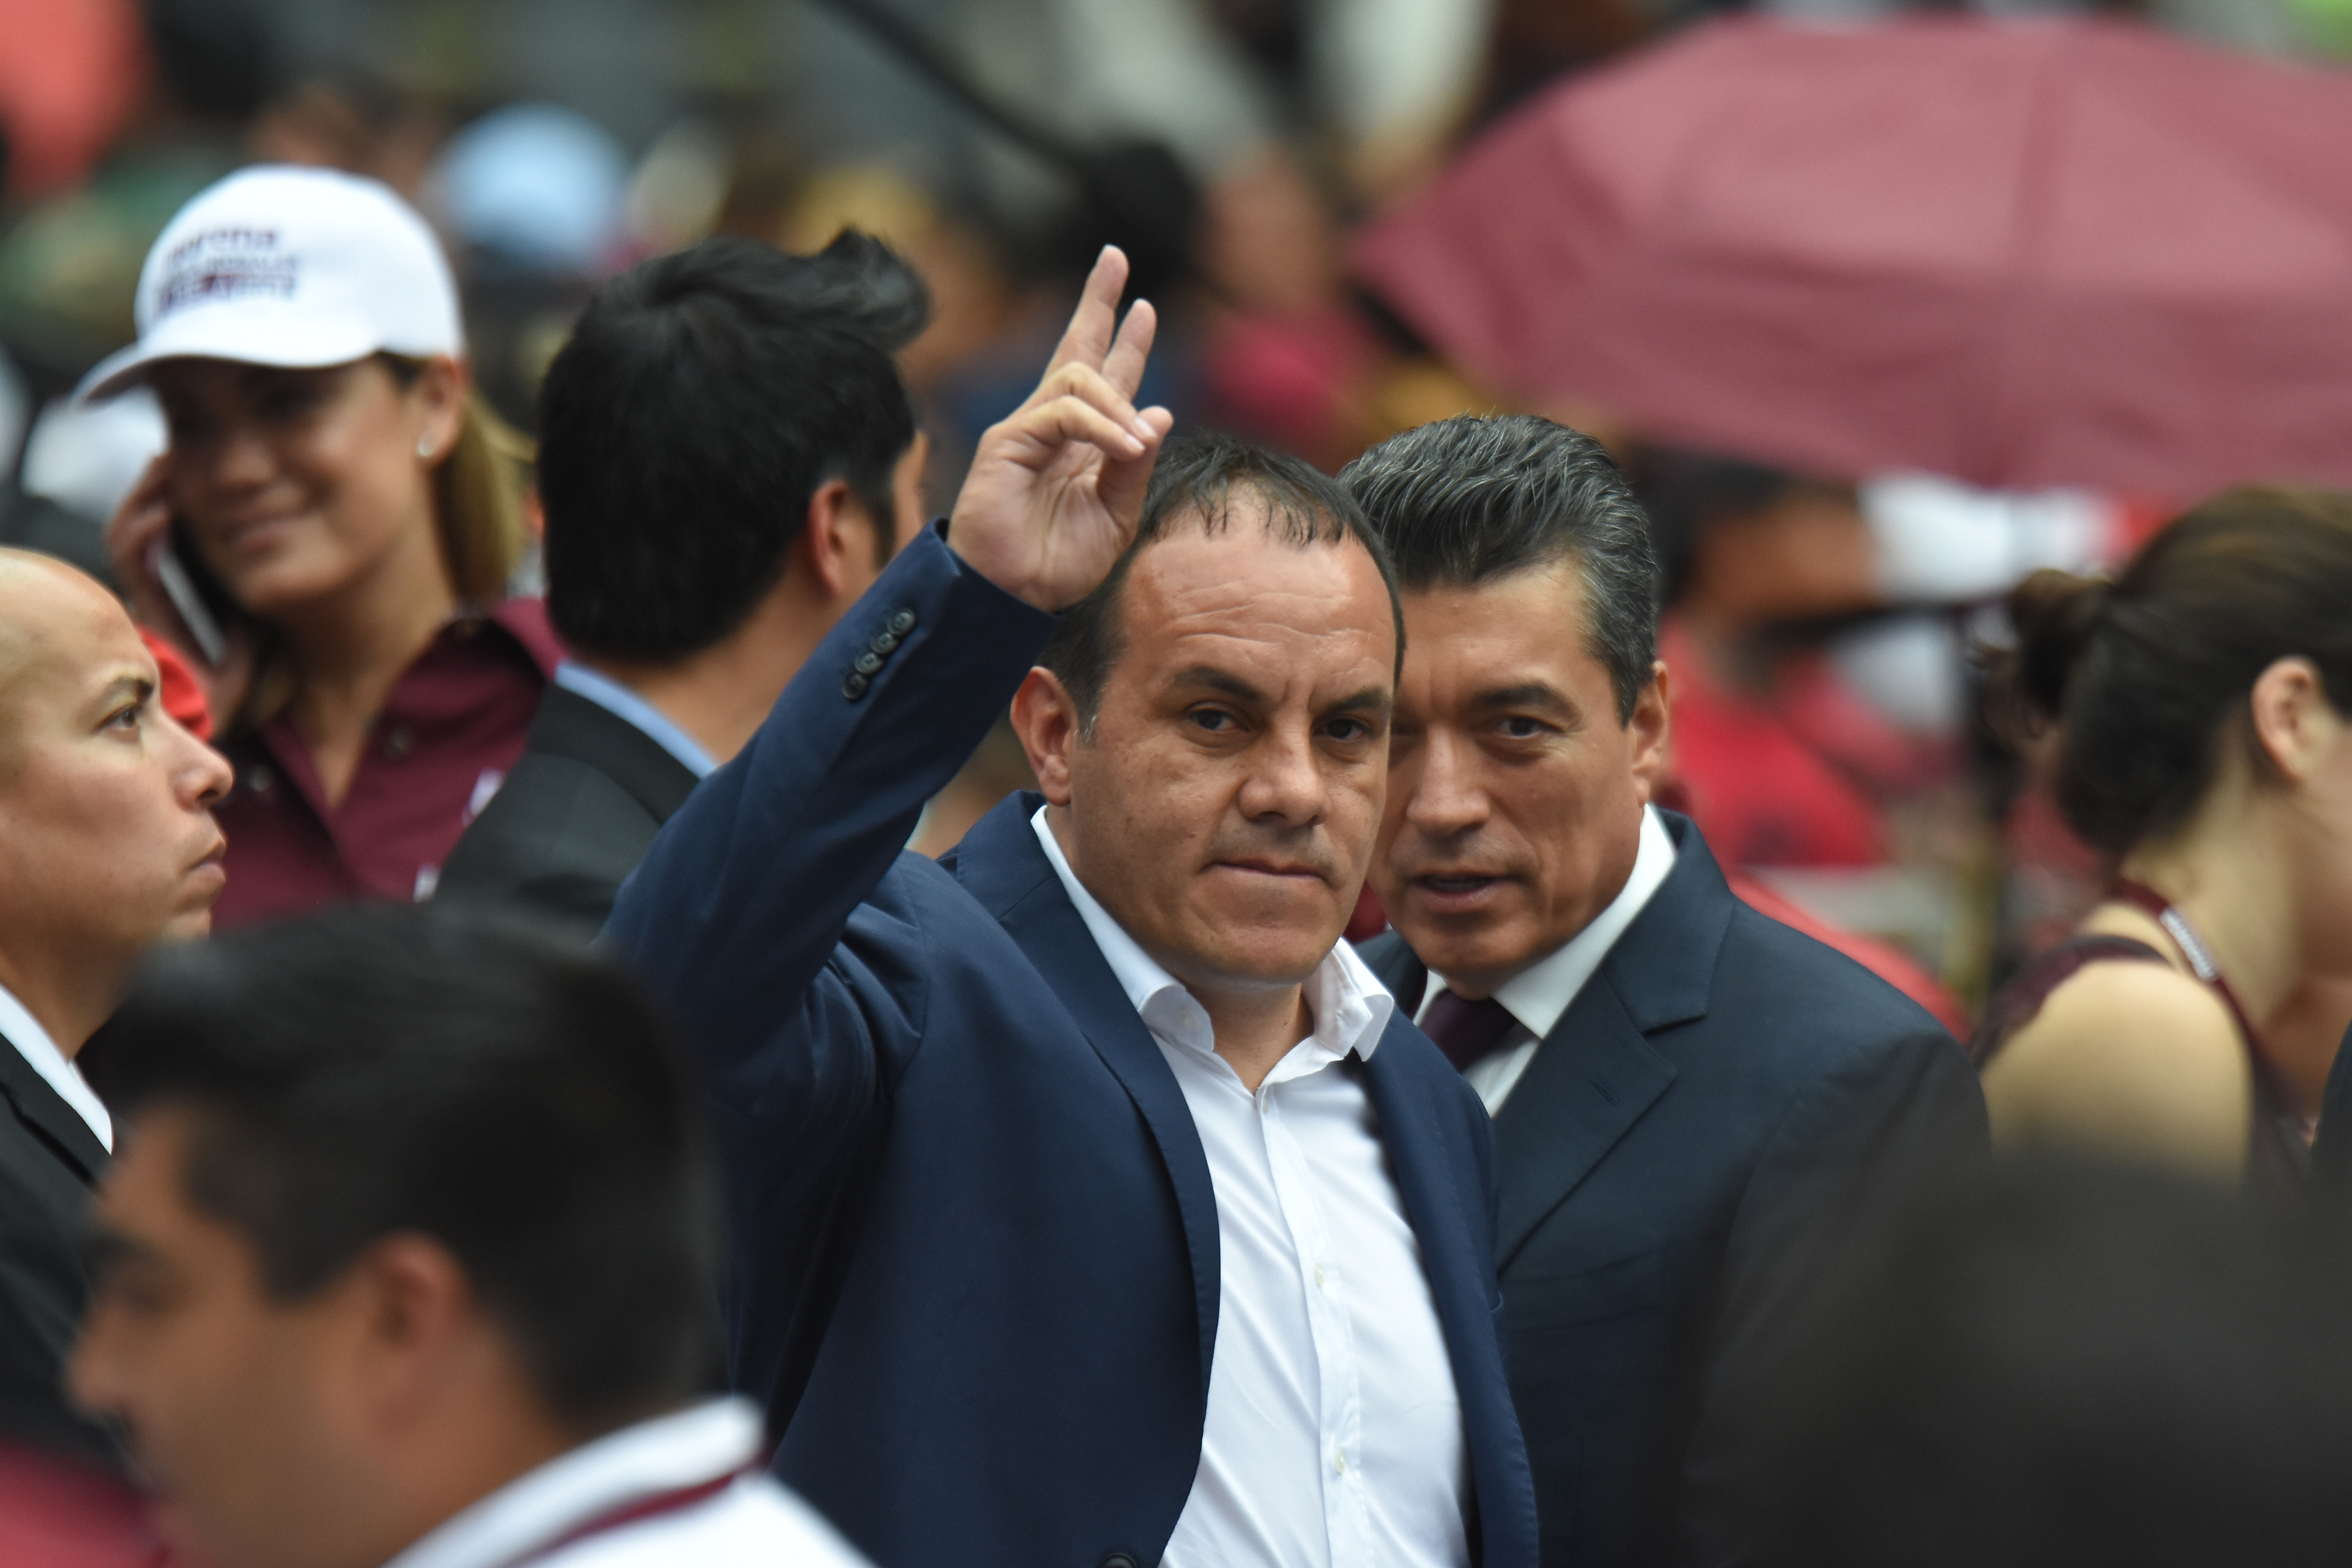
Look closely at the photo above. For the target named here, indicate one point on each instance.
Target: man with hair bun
(1693, 1102)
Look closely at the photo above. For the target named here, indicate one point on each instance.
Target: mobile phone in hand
(204, 605)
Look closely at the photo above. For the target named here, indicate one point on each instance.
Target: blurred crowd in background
(1826, 733)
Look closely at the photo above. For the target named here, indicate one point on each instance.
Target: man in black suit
(1693, 1102)
(727, 458)
(107, 845)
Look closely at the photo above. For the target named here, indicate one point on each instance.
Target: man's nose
(1444, 795)
(1285, 784)
(201, 774)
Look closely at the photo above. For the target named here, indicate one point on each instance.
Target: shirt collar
(34, 1043)
(622, 702)
(687, 1447)
(1538, 995)
(1350, 1005)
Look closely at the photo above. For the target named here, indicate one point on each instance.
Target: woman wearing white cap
(330, 531)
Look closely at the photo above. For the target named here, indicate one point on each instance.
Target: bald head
(53, 617)
(106, 840)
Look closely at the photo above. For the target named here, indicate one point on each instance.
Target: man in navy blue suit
(1091, 1205)
(1693, 1102)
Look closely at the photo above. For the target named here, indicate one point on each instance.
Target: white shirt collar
(685, 1448)
(620, 701)
(34, 1043)
(1350, 1005)
(1538, 995)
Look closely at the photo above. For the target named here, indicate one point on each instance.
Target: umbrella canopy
(2024, 254)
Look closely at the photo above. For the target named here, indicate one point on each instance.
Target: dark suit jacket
(576, 813)
(2331, 1152)
(975, 1244)
(49, 1160)
(1719, 1103)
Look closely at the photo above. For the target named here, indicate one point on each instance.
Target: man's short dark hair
(1194, 478)
(388, 1068)
(1468, 499)
(703, 397)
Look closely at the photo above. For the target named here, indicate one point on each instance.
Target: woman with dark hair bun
(2202, 704)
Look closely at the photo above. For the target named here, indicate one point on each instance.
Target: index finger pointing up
(1088, 341)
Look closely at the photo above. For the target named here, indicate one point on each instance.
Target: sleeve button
(884, 644)
(868, 663)
(902, 623)
(854, 686)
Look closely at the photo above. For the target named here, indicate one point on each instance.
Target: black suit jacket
(1713, 1113)
(576, 813)
(49, 1160)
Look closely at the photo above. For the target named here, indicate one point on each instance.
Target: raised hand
(1054, 490)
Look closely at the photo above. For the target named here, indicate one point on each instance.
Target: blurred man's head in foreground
(724, 421)
(1531, 715)
(407, 1205)
(107, 839)
(1211, 722)
(2075, 1366)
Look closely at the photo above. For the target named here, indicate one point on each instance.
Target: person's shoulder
(1768, 970)
(755, 1523)
(2130, 1055)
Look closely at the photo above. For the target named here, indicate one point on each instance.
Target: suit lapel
(1424, 1178)
(1597, 1071)
(44, 1110)
(1590, 1081)
(1000, 863)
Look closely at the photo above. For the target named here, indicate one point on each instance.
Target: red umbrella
(2023, 254)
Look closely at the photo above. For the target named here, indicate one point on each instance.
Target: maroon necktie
(1464, 1030)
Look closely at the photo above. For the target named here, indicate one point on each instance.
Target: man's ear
(1650, 727)
(2294, 725)
(411, 1307)
(1046, 719)
(836, 546)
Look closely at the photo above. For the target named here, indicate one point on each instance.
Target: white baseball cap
(287, 266)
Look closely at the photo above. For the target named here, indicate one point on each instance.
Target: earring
(424, 448)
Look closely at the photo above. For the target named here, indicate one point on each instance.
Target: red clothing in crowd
(180, 694)
(1788, 777)
(452, 727)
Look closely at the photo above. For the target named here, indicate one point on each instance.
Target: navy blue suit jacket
(973, 1242)
(1726, 1101)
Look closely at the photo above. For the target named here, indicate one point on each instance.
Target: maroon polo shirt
(452, 727)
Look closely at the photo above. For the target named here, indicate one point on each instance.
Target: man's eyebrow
(1541, 694)
(128, 682)
(1216, 679)
(1372, 698)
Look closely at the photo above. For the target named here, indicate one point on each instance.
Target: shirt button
(1338, 1462)
(1318, 1277)
(400, 743)
(902, 623)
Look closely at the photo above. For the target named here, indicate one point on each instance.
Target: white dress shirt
(1334, 1435)
(547, 1519)
(624, 702)
(34, 1043)
(1536, 995)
